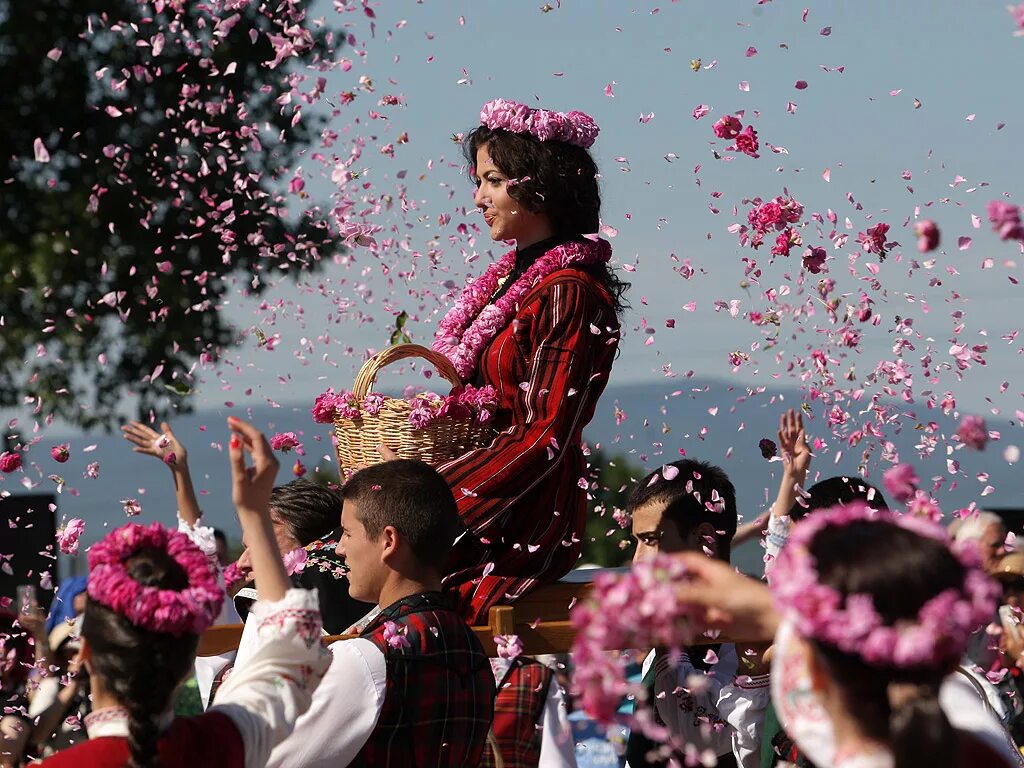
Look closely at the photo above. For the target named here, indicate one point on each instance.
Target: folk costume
(415, 688)
(552, 341)
(256, 708)
(540, 327)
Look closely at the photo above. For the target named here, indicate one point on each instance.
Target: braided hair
(140, 668)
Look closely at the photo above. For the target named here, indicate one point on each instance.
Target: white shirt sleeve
(202, 536)
(265, 696)
(778, 532)
(344, 711)
(742, 705)
(969, 708)
(206, 669)
(557, 747)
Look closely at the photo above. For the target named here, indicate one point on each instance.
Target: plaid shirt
(439, 699)
(524, 497)
(518, 712)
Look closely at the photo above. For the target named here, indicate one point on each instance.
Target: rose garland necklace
(473, 322)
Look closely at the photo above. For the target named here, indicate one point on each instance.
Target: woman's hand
(387, 454)
(148, 441)
(250, 490)
(796, 455)
(739, 606)
(171, 452)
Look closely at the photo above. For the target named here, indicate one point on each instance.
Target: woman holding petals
(541, 326)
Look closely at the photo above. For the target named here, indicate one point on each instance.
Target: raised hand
(166, 447)
(796, 454)
(250, 490)
(163, 445)
(739, 606)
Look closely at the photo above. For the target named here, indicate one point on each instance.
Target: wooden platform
(541, 619)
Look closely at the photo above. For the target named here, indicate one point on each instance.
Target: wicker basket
(445, 439)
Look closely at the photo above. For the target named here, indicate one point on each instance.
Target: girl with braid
(151, 594)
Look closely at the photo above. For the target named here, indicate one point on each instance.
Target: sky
(911, 110)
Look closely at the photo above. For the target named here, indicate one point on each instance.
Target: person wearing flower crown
(541, 326)
(151, 593)
(858, 664)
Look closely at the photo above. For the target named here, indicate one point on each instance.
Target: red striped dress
(524, 497)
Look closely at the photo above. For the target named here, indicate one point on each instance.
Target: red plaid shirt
(519, 712)
(524, 497)
(439, 700)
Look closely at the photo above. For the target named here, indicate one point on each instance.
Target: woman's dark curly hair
(553, 178)
(141, 669)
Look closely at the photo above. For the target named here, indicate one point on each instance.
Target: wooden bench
(541, 619)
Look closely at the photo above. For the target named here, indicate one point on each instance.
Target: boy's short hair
(837, 490)
(413, 498)
(698, 493)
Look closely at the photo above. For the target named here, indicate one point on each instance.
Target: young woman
(540, 326)
(151, 593)
(870, 611)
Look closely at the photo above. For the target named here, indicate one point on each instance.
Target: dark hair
(220, 536)
(901, 571)
(141, 668)
(837, 490)
(686, 497)
(16, 641)
(554, 178)
(413, 498)
(310, 511)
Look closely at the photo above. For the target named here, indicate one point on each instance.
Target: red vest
(518, 713)
(439, 700)
(191, 742)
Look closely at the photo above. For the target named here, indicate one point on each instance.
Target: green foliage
(399, 336)
(116, 256)
(611, 481)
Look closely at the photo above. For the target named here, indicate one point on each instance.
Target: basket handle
(368, 373)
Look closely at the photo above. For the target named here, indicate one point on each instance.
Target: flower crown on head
(939, 632)
(577, 128)
(189, 611)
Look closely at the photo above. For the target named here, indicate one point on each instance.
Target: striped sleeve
(567, 330)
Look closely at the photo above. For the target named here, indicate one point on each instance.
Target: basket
(446, 438)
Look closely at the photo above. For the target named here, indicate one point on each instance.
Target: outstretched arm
(166, 447)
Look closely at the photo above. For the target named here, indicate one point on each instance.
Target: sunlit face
(286, 542)
(992, 546)
(654, 534)
(363, 556)
(506, 218)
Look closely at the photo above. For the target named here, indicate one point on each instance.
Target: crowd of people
(876, 640)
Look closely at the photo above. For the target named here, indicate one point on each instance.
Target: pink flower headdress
(190, 611)
(939, 632)
(473, 322)
(574, 127)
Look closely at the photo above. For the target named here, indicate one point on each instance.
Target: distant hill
(709, 419)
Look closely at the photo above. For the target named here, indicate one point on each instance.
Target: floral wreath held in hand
(938, 634)
(577, 128)
(189, 611)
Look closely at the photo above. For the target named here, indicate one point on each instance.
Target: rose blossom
(372, 403)
(286, 441)
(927, 235)
(131, 507)
(901, 482)
(61, 453)
(509, 646)
(746, 142)
(10, 461)
(67, 536)
(973, 432)
(92, 470)
(814, 260)
(766, 216)
(1005, 220)
(324, 407)
(873, 241)
(727, 127)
